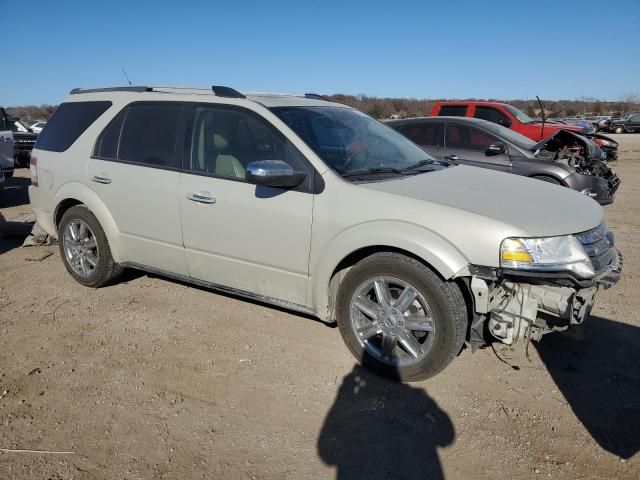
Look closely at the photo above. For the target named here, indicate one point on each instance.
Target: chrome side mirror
(273, 173)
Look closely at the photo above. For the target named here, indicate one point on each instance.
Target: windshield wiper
(372, 171)
(422, 163)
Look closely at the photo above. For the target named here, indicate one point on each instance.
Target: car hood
(563, 137)
(540, 208)
(551, 127)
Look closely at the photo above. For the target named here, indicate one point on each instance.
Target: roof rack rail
(76, 91)
(222, 91)
(316, 96)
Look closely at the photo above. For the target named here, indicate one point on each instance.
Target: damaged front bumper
(514, 306)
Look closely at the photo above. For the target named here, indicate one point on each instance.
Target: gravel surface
(152, 378)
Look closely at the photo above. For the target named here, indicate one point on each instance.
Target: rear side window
(68, 122)
(453, 111)
(493, 115)
(142, 133)
(428, 133)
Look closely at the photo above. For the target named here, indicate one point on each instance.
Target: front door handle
(201, 197)
(451, 157)
(101, 179)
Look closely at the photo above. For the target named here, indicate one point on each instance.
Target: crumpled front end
(591, 175)
(527, 305)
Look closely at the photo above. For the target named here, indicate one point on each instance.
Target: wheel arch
(543, 176)
(435, 252)
(73, 194)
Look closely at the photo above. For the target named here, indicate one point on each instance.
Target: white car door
(238, 235)
(134, 172)
(6, 144)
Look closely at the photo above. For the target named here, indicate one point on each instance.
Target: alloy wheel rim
(392, 321)
(80, 247)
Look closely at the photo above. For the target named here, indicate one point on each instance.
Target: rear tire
(618, 130)
(85, 250)
(419, 340)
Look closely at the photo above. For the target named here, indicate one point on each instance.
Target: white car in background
(38, 126)
(6, 145)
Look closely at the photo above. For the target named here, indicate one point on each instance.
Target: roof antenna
(543, 117)
(126, 76)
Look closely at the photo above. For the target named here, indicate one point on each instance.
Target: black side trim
(139, 89)
(232, 291)
(228, 92)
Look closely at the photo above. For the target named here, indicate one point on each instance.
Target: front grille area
(599, 245)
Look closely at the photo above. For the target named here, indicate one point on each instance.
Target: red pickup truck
(510, 117)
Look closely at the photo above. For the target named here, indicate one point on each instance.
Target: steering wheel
(353, 150)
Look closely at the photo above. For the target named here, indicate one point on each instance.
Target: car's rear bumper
(43, 218)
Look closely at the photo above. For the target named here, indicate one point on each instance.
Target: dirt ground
(152, 378)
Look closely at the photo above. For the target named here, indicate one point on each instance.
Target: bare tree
(630, 101)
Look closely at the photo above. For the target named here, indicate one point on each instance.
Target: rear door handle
(101, 179)
(201, 197)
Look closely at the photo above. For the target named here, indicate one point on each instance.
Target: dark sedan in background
(563, 158)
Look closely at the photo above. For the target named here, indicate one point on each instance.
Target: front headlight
(546, 254)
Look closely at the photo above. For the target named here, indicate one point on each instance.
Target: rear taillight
(33, 168)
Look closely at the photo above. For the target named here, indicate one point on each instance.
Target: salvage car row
(314, 206)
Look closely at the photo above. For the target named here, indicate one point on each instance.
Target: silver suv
(314, 206)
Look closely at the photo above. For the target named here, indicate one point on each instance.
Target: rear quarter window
(68, 122)
(453, 111)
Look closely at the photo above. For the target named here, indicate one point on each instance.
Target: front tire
(85, 250)
(618, 130)
(399, 318)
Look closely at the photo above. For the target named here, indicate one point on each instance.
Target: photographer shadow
(383, 429)
(597, 368)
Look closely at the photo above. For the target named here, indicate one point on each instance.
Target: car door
(6, 144)
(238, 235)
(634, 123)
(134, 170)
(429, 135)
(470, 146)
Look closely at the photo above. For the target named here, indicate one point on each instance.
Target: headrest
(219, 142)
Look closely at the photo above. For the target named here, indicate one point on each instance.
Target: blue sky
(423, 49)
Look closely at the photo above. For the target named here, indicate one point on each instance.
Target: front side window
(68, 122)
(468, 138)
(492, 115)
(225, 140)
(142, 133)
(349, 141)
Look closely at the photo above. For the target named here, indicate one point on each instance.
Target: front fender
(432, 248)
(83, 194)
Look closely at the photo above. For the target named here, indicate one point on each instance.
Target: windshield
(349, 141)
(520, 116)
(516, 138)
